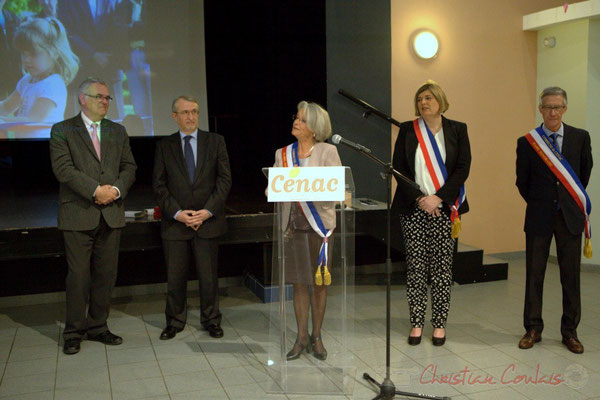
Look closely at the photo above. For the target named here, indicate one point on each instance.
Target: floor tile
(134, 371)
(193, 381)
(30, 367)
(26, 384)
(139, 389)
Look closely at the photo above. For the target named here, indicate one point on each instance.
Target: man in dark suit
(191, 182)
(92, 160)
(552, 212)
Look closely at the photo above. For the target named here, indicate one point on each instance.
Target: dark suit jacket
(541, 189)
(174, 191)
(77, 168)
(458, 163)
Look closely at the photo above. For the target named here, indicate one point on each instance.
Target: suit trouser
(568, 251)
(92, 258)
(179, 255)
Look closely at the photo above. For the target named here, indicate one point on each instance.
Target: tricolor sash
(290, 153)
(560, 167)
(437, 169)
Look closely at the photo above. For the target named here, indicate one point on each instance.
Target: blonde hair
(317, 120)
(436, 91)
(48, 34)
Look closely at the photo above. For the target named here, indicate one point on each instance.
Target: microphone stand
(387, 389)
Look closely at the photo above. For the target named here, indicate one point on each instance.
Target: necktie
(189, 157)
(554, 138)
(95, 140)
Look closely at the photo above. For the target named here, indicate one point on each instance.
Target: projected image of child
(48, 65)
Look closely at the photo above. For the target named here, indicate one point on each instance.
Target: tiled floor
(483, 330)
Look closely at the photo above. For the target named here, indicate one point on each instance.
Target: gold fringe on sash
(323, 277)
(326, 276)
(587, 248)
(318, 277)
(456, 227)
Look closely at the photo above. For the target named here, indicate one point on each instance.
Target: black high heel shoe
(415, 340)
(438, 341)
(319, 356)
(294, 355)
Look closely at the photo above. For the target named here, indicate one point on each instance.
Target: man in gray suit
(92, 160)
(191, 182)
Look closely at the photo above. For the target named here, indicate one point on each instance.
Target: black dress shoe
(72, 346)
(169, 332)
(107, 337)
(214, 331)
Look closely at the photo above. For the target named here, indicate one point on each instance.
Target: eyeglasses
(99, 97)
(553, 108)
(187, 112)
(295, 117)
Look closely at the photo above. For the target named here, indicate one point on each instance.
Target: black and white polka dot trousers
(429, 252)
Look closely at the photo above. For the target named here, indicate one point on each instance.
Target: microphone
(337, 139)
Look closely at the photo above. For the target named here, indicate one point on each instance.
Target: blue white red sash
(437, 169)
(560, 167)
(289, 155)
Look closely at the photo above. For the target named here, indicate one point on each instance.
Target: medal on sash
(322, 276)
(437, 170)
(560, 167)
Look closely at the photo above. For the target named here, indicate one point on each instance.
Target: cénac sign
(306, 184)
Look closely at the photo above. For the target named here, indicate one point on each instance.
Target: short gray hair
(317, 120)
(183, 97)
(83, 87)
(553, 91)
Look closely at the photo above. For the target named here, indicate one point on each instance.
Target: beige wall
(487, 67)
(574, 65)
(593, 125)
(566, 65)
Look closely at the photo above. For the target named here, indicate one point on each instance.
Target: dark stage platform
(32, 254)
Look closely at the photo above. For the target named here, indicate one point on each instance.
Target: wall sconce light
(550, 42)
(425, 44)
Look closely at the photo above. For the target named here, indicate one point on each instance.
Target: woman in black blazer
(430, 216)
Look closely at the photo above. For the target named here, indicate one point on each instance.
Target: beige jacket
(323, 155)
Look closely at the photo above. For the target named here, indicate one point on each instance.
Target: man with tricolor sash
(554, 164)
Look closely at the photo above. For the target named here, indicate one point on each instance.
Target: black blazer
(209, 190)
(458, 163)
(541, 189)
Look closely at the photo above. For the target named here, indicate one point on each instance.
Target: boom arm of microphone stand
(369, 109)
(390, 169)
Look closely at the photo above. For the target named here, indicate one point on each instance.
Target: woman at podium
(434, 152)
(307, 228)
